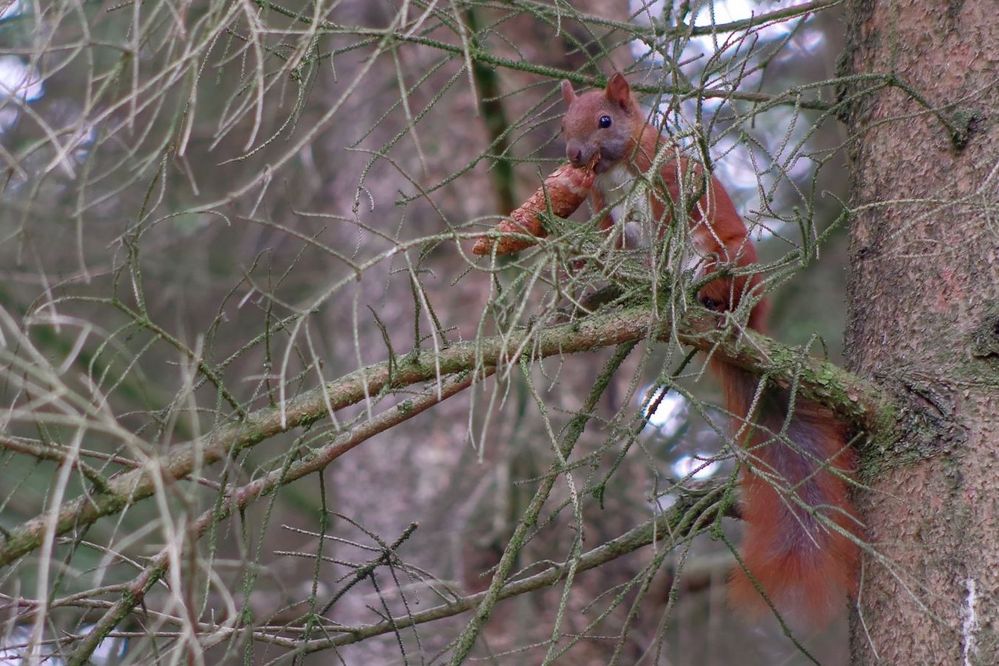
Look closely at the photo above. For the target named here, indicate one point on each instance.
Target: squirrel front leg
(598, 202)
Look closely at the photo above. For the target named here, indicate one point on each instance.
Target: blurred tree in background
(236, 245)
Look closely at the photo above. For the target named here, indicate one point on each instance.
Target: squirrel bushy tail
(800, 542)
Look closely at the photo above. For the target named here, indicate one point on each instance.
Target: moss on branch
(853, 398)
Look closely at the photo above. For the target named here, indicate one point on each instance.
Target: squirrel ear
(618, 91)
(568, 94)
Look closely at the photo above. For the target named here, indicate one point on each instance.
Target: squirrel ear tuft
(568, 94)
(618, 91)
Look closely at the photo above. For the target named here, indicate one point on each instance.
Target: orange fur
(801, 530)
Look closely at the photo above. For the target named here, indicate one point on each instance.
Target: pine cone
(565, 189)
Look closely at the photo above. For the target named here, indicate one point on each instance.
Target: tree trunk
(924, 320)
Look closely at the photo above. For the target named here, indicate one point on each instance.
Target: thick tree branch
(853, 398)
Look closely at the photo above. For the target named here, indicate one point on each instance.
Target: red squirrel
(795, 470)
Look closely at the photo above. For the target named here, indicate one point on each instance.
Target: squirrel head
(599, 125)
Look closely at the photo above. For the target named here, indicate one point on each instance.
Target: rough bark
(924, 294)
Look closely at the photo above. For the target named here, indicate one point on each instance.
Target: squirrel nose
(574, 152)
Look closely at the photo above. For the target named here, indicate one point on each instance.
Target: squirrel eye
(710, 303)
(604, 122)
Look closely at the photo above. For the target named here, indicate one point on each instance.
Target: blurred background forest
(210, 208)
